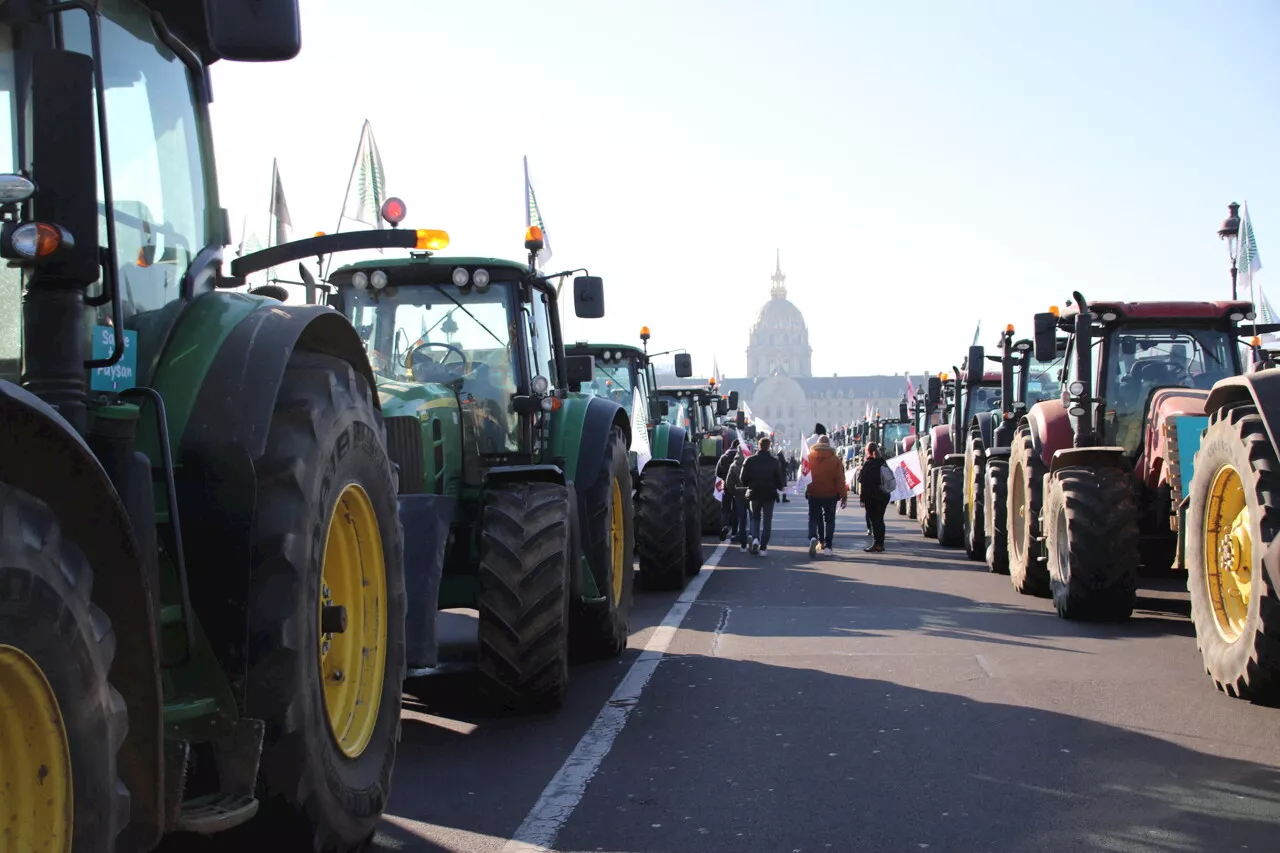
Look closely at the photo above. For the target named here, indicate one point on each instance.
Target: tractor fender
(580, 431)
(44, 456)
(1164, 406)
(1050, 429)
(668, 442)
(953, 459)
(986, 426)
(939, 442)
(1089, 457)
(908, 443)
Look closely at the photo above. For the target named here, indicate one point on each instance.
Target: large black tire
(47, 617)
(928, 511)
(707, 497)
(912, 504)
(902, 507)
(975, 534)
(325, 435)
(692, 512)
(1092, 524)
(601, 629)
(950, 506)
(660, 522)
(1242, 656)
(995, 511)
(1027, 570)
(525, 560)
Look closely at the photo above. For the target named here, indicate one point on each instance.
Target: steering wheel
(421, 345)
(1159, 373)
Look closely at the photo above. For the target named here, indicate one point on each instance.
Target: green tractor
(518, 487)
(201, 590)
(668, 540)
(702, 408)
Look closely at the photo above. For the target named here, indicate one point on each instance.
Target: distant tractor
(667, 513)
(702, 409)
(201, 591)
(1094, 486)
(931, 410)
(973, 390)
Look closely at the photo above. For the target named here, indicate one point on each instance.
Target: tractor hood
(939, 443)
(399, 399)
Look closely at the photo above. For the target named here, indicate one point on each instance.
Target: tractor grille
(404, 446)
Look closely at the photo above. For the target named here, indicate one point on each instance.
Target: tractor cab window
(981, 399)
(1043, 382)
(426, 333)
(676, 412)
(157, 167)
(1144, 359)
(613, 381)
(537, 317)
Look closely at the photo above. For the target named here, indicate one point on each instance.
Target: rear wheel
(995, 510)
(975, 538)
(601, 629)
(707, 497)
(660, 522)
(524, 595)
(912, 508)
(950, 506)
(1027, 569)
(927, 511)
(1093, 543)
(692, 512)
(1231, 522)
(327, 611)
(61, 722)
(902, 507)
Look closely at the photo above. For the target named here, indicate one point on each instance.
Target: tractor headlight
(480, 278)
(1109, 317)
(1076, 388)
(1236, 316)
(1076, 411)
(1251, 316)
(461, 276)
(378, 279)
(360, 281)
(540, 384)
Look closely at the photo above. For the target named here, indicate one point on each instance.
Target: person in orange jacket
(826, 488)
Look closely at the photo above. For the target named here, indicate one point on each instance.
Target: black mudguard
(43, 455)
(986, 428)
(426, 520)
(601, 417)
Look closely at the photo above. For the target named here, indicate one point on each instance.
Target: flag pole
(355, 164)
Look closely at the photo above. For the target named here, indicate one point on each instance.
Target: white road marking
(565, 790)
(986, 667)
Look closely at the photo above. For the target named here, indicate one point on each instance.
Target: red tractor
(974, 390)
(1093, 479)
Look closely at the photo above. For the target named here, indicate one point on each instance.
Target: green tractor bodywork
(194, 486)
(698, 410)
(511, 485)
(667, 515)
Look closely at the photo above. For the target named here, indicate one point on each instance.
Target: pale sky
(920, 167)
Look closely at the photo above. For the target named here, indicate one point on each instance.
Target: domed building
(781, 388)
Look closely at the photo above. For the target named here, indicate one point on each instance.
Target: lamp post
(1230, 231)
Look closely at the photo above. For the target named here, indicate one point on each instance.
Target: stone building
(781, 388)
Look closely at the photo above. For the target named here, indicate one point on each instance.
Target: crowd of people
(755, 481)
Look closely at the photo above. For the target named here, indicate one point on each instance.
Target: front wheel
(61, 721)
(995, 512)
(1230, 522)
(601, 629)
(327, 611)
(1093, 543)
(660, 528)
(950, 506)
(975, 535)
(707, 497)
(1027, 570)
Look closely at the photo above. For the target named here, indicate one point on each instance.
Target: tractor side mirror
(254, 30)
(579, 369)
(684, 365)
(903, 414)
(935, 392)
(664, 407)
(1046, 336)
(588, 297)
(1128, 346)
(733, 399)
(722, 407)
(975, 367)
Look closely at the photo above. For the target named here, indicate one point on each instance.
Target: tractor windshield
(893, 433)
(1139, 360)
(983, 398)
(615, 381)
(677, 414)
(1042, 381)
(460, 338)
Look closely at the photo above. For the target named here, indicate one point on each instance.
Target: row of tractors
(1124, 439)
(228, 523)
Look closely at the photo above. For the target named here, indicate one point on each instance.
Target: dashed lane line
(538, 832)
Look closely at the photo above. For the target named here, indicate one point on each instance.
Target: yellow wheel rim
(1228, 552)
(353, 581)
(618, 539)
(36, 801)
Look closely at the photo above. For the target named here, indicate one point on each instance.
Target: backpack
(888, 482)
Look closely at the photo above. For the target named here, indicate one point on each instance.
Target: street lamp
(1230, 231)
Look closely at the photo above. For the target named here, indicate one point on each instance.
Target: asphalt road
(903, 701)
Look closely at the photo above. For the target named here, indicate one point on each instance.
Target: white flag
(532, 216)
(806, 476)
(909, 476)
(367, 186)
(640, 438)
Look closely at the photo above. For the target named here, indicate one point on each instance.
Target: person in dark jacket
(735, 490)
(762, 475)
(872, 495)
(728, 512)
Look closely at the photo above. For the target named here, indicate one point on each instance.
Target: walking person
(875, 485)
(728, 509)
(762, 475)
(786, 479)
(734, 488)
(826, 488)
